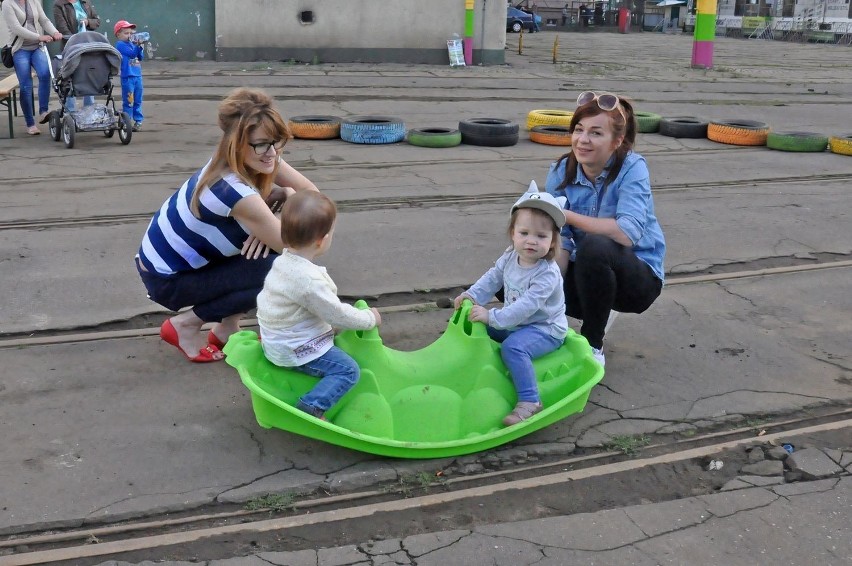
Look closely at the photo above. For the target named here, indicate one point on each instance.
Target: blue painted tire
(372, 129)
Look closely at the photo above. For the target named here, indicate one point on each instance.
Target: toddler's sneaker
(137, 126)
(598, 354)
(522, 411)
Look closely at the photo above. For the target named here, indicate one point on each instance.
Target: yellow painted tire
(548, 118)
(551, 135)
(738, 132)
(841, 145)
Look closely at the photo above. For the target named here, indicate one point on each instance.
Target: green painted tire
(797, 141)
(434, 137)
(647, 122)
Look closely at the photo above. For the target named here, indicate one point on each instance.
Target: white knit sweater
(298, 309)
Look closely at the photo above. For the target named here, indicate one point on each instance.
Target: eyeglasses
(606, 101)
(263, 147)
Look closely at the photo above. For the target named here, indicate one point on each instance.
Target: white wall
(407, 31)
(353, 30)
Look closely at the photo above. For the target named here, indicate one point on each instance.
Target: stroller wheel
(110, 132)
(125, 124)
(69, 129)
(54, 126)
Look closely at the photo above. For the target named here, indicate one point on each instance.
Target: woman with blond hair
(208, 246)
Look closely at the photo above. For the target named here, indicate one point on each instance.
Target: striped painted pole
(705, 33)
(467, 42)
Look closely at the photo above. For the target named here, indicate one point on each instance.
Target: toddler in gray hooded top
(532, 321)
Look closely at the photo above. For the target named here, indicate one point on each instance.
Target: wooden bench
(9, 99)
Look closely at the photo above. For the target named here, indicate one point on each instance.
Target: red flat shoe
(205, 355)
(213, 340)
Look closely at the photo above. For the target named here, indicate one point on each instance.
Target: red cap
(120, 25)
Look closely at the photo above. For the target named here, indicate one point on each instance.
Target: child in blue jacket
(131, 71)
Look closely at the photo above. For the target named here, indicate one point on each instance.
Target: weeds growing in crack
(406, 483)
(755, 422)
(273, 501)
(627, 445)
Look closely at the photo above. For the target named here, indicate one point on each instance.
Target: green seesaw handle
(373, 333)
(462, 324)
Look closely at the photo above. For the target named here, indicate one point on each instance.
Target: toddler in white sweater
(298, 308)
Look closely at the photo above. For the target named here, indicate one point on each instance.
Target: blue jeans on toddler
(25, 60)
(518, 349)
(338, 373)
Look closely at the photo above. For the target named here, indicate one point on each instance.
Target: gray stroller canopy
(89, 61)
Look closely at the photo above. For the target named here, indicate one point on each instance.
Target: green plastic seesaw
(446, 399)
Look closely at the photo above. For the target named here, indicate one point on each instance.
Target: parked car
(516, 20)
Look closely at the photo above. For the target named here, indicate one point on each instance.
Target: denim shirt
(628, 199)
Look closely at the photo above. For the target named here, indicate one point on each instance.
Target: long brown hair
(621, 126)
(242, 112)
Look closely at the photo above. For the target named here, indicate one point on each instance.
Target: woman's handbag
(6, 54)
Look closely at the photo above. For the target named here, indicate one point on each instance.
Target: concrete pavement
(103, 430)
(797, 524)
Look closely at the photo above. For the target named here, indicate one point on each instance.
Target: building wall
(399, 31)
(180, 29)
(822, 9)
(407, 31)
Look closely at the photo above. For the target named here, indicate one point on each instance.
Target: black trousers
(215, 291)
(606, 276)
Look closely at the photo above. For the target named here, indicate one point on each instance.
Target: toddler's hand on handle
(478, 314)
(377, 315)
(458, 300)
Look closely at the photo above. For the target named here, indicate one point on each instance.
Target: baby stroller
(85, 68)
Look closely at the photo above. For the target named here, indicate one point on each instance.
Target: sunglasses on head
(606, 101)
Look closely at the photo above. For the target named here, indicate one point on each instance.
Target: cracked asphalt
(804, 523)
(113, 429)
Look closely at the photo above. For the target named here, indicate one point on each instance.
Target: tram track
(395, 202)
(155, 534)
(311, 165)
(65, 336)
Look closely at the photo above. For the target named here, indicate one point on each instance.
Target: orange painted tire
(738, 132)
(551, 135)
(315, 127)
(548, 118)
(841, 145)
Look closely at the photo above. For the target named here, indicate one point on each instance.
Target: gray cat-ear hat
(546, 202)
